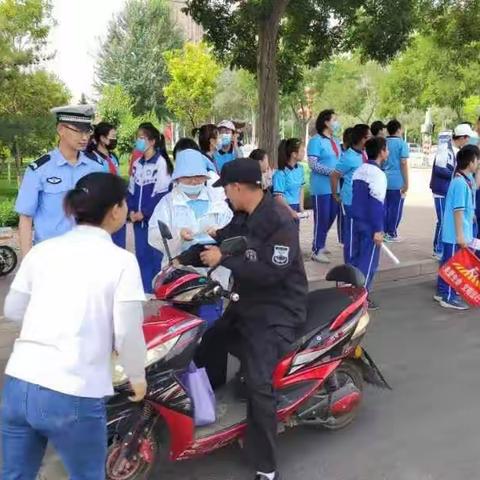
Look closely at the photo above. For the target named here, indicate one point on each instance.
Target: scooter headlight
(155, 354)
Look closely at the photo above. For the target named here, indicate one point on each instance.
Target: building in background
(192, 31)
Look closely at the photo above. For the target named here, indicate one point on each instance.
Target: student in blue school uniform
(47, 180)
(149, 182)
(289, 179)
(442, 173)
(323, 152)
(105, 142)
(228, 148)
(396, 169)
(367, 211)
(350, 160)
(458, 218)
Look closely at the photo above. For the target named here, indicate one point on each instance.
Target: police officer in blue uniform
(270, 279)
(47, 180)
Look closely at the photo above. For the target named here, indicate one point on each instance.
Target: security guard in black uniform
(270, 279)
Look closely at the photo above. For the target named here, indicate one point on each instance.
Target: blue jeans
(33, 415)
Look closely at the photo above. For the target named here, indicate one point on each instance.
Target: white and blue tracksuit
(149, 182)
(323, 153)
(442, 173)
(368, 213)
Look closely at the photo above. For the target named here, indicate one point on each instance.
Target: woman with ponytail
(79, 298)
(289, 179)
(149, 182)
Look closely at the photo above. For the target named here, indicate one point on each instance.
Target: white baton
(394, 259)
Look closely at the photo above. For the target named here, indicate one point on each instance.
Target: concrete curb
(413, 272)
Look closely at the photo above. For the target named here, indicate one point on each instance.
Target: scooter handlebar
(232, 296)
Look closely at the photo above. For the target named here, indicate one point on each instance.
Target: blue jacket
(149, 182)
(443, 169)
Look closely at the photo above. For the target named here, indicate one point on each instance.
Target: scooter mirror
(234, 246)
(164, 230)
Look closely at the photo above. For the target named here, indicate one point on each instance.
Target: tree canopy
(191, 90)
(132, 54)
(277, 39)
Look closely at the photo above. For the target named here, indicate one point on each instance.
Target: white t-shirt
(68, 331)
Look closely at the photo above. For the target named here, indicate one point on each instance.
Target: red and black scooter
(318, 383)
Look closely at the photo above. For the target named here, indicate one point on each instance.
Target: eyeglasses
(82, 133)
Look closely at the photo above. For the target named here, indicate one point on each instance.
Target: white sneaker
(326, 251)
(320, 257)
(437, 298)
(456, 304)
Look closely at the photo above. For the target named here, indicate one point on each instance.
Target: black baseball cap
(240, 170)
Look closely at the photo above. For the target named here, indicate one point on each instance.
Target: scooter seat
(324, 306)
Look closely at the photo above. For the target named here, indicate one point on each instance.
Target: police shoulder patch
(41, 161)
(281, 255)
(93, 156)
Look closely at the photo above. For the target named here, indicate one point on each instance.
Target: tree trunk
(268, 79)
(18, 160)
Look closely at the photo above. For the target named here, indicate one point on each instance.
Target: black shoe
(372, 306)
(263, 477)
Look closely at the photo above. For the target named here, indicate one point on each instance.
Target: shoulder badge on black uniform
(93, 156)
(280, 255)
(41, 161)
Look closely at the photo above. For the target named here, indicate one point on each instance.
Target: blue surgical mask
(336, 125)
(191, 190)
(226, 139)
(141, 144)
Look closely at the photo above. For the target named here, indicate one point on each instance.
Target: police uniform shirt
(44, 187)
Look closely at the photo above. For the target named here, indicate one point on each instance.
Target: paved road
(427, 429)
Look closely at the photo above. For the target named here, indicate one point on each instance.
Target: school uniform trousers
(394, 202)
(437, 239)
(365, 254)
(443, 288)
(325, 211)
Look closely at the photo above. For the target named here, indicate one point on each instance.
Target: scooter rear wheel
(8, 260)
(346, 373)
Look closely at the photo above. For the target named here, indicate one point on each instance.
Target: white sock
(270, 476)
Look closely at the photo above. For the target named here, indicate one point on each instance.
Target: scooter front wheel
(139, 467)
(323, 410)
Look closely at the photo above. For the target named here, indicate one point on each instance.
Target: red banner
(462, 273)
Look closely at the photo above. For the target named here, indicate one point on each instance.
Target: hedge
(8, 216)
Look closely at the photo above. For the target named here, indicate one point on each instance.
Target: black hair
(185, 143)
(359, 132)
(466, 156)
(374, 146)
(285, 150)
(376, 127)
(205, 134)
(347, 138)
(258, 154)
(102, 129)
(93, 196)
(323, 117)
(393, 126)
(160, 145)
